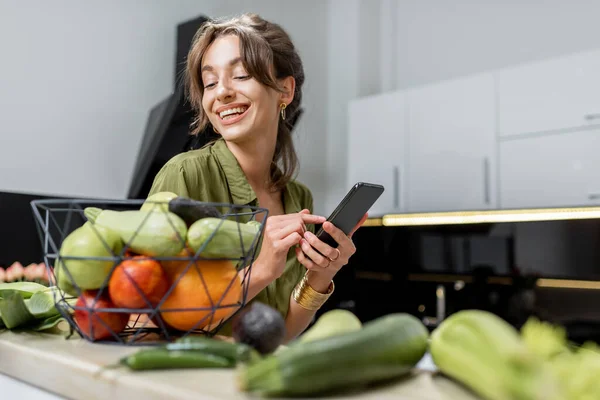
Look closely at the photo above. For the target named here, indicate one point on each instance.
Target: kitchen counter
(73, 368)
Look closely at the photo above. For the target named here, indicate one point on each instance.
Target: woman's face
(237, 105)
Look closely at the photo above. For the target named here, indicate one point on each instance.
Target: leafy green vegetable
(13, 310)
(576, 368)
(26, 289)
(31, 307)
(47, 323)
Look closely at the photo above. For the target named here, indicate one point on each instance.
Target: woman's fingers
(305, 260)
(316, 257)
(312, 219)
(289, 241)
(280, 232)
(322, 247)
(279, 221)
(337, 235)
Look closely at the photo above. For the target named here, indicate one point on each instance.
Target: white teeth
(236, 110)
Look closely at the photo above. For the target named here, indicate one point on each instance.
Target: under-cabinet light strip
(485, 217)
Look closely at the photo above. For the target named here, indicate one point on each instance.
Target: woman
(244, 79)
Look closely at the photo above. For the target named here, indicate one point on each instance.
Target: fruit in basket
(96, 319)
(157, 234)
(219, 284)
(191, 210)
(139, 282)
(222, 238)
(91, 242)
(158, 201)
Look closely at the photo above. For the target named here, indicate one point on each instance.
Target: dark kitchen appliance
(168, 125)
(546, 267)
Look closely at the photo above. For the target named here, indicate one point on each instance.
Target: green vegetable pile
(29, 306)
(496, 361)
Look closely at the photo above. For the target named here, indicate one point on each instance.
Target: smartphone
(351, 209)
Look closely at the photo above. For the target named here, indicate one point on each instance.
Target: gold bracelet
(308, 298)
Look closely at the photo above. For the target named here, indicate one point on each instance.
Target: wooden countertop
(73, 368)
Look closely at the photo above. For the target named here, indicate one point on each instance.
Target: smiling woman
(244, 78)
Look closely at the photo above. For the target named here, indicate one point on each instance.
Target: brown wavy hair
(268, 54)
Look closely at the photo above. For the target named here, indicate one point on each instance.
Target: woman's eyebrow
(231, 63)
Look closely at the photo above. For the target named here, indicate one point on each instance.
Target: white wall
(78, 78)
(420, 42)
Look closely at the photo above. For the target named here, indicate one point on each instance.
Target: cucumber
(331, 323)
(150, 233)
(222, 238)
(388, 347)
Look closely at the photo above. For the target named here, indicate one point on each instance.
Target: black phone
(351, 209)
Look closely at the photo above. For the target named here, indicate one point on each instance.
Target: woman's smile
(231, 114)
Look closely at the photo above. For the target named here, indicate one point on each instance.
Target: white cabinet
(551, 170)
(452, 145)
(549, 95)
(377, 146)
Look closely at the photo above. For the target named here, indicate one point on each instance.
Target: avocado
(191, 210)
(259, 326)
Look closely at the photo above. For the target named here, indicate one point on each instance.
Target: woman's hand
(321, 258)
(281, 232)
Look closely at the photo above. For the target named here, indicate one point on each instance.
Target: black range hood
(168, 125)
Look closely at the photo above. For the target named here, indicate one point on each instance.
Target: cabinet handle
(591, 117)
(594, 196)
(486, 180)
(396, 188)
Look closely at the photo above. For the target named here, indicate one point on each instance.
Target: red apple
(98, 325)
(138, 283)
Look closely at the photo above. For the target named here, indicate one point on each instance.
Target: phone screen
(351, 209)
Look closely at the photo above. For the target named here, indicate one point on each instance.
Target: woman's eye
(242, 77)
(209, 85)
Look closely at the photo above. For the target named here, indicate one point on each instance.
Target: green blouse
(212, 174)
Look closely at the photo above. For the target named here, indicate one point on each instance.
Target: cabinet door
(451, 145)
(550, 95)
(376, 148)
(551, 171)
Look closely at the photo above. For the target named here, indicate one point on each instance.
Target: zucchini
(158, 201)
(222, 238)
(149, 233)
(331, 323)
(388, 347)
(485, 353)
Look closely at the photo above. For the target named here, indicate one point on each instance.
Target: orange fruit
(223, 287)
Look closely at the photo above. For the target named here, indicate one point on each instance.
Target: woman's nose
(224, 90)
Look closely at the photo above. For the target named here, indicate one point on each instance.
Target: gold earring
(283, 106)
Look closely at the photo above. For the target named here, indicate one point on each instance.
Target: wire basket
(141, 272)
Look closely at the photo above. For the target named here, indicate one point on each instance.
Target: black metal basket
(113, 292)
